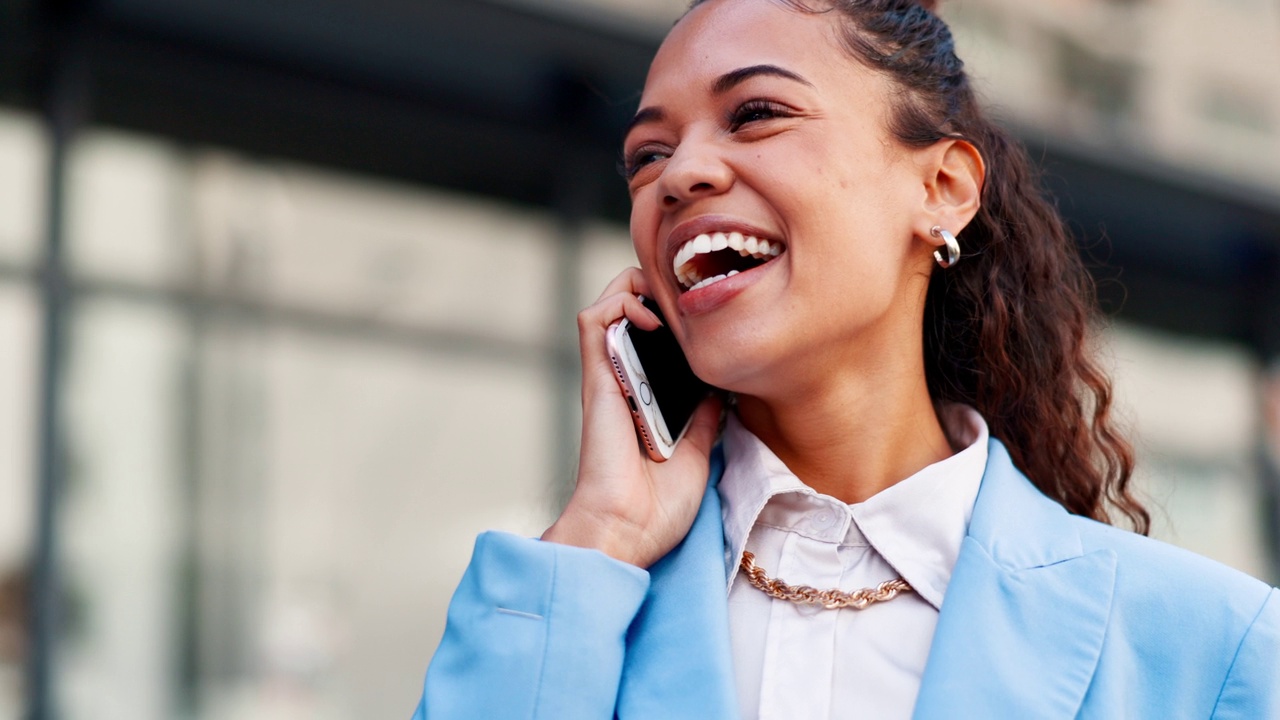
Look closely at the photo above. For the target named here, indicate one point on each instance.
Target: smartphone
(657, 382)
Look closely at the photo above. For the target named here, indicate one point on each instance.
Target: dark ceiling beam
(1181, 252)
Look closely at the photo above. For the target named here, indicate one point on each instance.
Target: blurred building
(315, 291)
(1185, 81)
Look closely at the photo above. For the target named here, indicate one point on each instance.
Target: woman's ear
(954, 174)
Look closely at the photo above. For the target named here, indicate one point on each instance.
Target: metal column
(578, 198)
(1269, 463)
(64, 108)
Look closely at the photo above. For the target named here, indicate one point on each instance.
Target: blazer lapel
(678, 659)
(1026, 611)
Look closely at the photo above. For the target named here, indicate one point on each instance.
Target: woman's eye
(641, 158)
(756, 111)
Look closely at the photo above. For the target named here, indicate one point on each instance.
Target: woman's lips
(709, 296)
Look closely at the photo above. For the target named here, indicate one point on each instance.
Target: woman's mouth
(712, 257)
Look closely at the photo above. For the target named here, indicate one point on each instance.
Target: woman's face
(756, 123)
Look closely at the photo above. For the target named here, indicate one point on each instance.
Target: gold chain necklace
(829, 599)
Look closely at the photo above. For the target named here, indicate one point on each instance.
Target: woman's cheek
(644, 243)
(649, 254)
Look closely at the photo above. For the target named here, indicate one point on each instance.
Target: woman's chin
(734, 373)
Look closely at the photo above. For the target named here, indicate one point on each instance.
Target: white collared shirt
(795, 661)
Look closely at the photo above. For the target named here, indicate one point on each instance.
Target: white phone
(657, 382)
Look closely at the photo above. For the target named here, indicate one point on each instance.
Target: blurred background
(287, 298)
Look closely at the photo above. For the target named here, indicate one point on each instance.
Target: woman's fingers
(596, 319)
(630, 280)
(618, 301)
(625, 504)
(628, 283)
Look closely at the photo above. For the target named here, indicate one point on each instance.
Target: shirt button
(824, 519)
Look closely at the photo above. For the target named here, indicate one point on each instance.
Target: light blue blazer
(1048, 615)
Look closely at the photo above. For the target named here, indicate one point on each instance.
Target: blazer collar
(1040, 532)
(1019, 635)
(678, 659)
(1025, 615)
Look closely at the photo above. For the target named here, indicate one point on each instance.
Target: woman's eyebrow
(733, 78)
(646, 115)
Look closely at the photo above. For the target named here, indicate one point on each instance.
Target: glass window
(121, 515)
(126, 218)
(24, 157)
(277, 473)
(342, 485)
(1100, 86)
(306, 239)
(1137, 76)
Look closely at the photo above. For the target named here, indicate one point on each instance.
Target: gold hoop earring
(953, 247)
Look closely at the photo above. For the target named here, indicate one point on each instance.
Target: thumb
(705, 426)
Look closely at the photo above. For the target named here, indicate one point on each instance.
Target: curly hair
(1009, 329)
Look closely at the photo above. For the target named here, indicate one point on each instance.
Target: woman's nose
(694, 171)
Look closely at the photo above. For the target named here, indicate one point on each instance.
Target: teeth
(714, 280)
(685, 254)
(745, 245)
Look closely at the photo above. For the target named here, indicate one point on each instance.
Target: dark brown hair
(1007, 330)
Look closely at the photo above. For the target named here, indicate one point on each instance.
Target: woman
(910, 409)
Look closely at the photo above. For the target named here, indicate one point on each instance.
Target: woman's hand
(626, 505)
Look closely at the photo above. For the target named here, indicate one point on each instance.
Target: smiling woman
(907, 512)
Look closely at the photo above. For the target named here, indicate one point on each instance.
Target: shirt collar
(916, 525)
